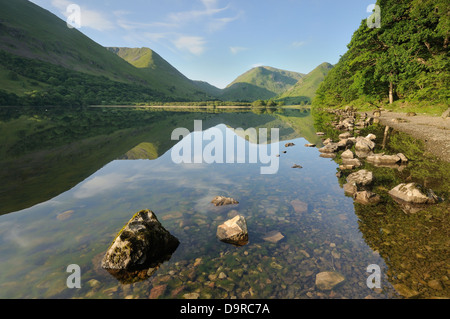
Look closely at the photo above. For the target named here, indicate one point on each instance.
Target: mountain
(160, 73)
(305, 89)
(40, 54)
(406, 59)
(260, 83)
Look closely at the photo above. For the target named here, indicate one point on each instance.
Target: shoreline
(434, 131)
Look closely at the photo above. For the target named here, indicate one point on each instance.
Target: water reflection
(322, 229)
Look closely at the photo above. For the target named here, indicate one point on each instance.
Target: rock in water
(299, 206)
(350, 188)
(234, 231)
(413, 193)
(362, 177)
(289, 145)
(328, 280)
(222, 201)
(142, 242)
(366, 198)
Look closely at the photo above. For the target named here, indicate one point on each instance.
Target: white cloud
(236, 50)
(193, 44)
(100, 184)
(89, 18)
(298, 44)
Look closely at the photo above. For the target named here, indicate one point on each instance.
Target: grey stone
(413, 193)
(351, 161)
(362, 177)
(141, 242)
(364, 144)
(383, 159)
(329, 148)
(348, 154)
(350, 188)
(222, 201)
(366, 197)
(234, 231)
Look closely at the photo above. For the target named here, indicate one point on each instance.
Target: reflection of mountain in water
(53, 150)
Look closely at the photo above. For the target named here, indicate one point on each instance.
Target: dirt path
(434, 131)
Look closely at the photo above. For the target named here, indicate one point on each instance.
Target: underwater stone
(328, 280)
(233, 231)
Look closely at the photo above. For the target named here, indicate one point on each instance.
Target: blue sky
(218, 40)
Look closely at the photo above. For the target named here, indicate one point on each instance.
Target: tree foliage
(408, 54)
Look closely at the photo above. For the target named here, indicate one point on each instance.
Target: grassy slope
(30, 31)
(160, 71)
(305, 88)
(260, 83)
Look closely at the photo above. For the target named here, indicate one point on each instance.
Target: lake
(72, 178)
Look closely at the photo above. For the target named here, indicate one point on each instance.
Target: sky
(218, 40)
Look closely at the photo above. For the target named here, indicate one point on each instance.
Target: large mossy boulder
(143, 241)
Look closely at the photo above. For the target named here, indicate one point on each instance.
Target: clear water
(76, 227)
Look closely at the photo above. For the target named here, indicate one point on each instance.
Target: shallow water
(321, 228)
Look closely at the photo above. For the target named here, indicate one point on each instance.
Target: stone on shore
(141, 242)
(345, 136)
(364, 144)
(351, 162)
(234, 231)
(414, 193)
(403, 158)
(223, 201)
(348, 154)
(350, 188)
(329, 148)
(382, 159)
(328, 155)
(328, 280)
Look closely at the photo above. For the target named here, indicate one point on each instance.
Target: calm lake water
(85, 183)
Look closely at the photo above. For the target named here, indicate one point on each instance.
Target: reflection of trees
(413, 246)
(412, 240)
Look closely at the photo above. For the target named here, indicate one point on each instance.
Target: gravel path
(434, 131)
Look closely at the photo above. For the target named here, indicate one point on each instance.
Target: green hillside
(160, 73)
(42, 57)
(404, 62)
(260, 83)
(304, 91)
